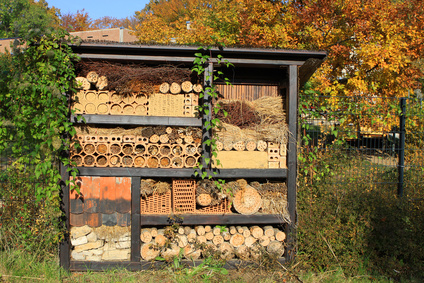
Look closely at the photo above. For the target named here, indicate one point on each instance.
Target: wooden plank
(243, 159)
(224, 219)
(138, 120)
(292, 159)
(65, 244)
(181, 173)
(135, 219)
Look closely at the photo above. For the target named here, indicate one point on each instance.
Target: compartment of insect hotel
(144, 147)
(108, 89)
(254, 133)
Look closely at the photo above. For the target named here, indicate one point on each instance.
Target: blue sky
(100, 8)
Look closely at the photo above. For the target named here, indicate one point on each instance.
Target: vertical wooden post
(135, 219)
(402, 131)
(65, 244)
(206, 119)
(292, 159)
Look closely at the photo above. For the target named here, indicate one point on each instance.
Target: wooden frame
(289, 60)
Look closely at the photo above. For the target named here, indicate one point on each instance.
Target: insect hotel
(143, 145)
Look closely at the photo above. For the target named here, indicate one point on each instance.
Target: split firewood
(175, 88)
(101, 83)
(216, 231)
(251, 145)
(82, 83)
(204, 199)
(149, 251)
(233, 230)
(92, 77)
(187, 86)
(190, 252)
(164, 88)
(242, 253)
(170, 252)
(256, 232)
(197, 88)
(249, 241)
(262, 145)
(276, 248)
(200, 230)
(145, 236)
(279, 235)
(227, 251)
(209, 236)
(218, 240)
(264, 241)
(237, 240)
(269, 231)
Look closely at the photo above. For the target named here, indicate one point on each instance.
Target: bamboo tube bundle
(164, 88)
(175, 88)
(92, 77)
(89, 148)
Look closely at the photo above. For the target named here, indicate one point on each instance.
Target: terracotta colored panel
(76, 220)
(123, 195)
(123, 220)
(109, 219)
(107, 203)
(93, 219)
(76, 200)
(91, 194)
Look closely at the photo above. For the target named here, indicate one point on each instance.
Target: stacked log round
(187, 86)
(175, 88)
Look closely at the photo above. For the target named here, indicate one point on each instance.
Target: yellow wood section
(243, 159)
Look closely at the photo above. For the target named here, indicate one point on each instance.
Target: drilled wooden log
(208, 249)
(201, 239)
(180, 230)
(239, 146)
(101, 83)
(169, 130)
(164, 138)
(217, 240)
(187, 230)
(228, 145)
(261, 146)
(246, 232)
(154, 138)
(92, 77)
(237, 240)
(188, 139)
(197, 88)
(251, 146)
(154, 232)
(209, 236)
(192, 237)
(175, 88)
(219, 146)
(208, 228)
(239, 229)
(82, 83)
(226, 235)
(160, 240)
(187, 86)
(204, 199)
(149, 251)
(164, 88)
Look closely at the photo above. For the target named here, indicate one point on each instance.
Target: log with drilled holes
(164, 88)
(175, 88)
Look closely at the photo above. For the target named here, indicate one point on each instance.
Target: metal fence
(378, 141)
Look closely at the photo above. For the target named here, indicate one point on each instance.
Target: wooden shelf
(179, 173)
(138, 120)
(211, 219)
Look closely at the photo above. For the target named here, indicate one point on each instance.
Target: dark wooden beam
(211, 219)
(308, 69)
(180, 173)
(135, 219)
(132, 120)
(65, 244)
(292, 159)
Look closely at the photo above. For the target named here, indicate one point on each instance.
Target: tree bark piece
(247, 201)
(92, 77)
(164, 88)
(256, 232)
(187, 86)
(204, 199)
(149, 251)
(237, 240)
(175, 88)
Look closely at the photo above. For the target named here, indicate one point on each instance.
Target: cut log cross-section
(92, 77)
(204, 199)
(175, 88)
(187, 86)
(164, 88)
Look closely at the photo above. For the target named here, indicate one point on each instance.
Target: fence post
(401, 162)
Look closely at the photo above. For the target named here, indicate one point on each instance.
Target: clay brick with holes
(156, 204)
(183, 196)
